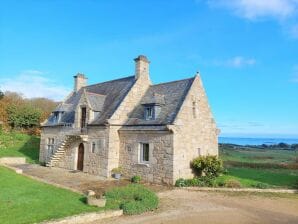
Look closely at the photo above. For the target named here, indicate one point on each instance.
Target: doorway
(80, 164)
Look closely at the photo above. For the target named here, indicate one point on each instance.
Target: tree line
(23, 114)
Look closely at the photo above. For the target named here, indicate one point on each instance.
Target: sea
(257, 141)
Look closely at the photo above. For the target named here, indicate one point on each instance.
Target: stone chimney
(80, 80)
(142, 67)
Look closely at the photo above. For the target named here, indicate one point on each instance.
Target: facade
(153, 131)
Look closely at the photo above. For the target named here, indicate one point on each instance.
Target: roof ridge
(162, 83)
(114, 80)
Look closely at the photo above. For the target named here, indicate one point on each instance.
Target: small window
(194, 109)
(96, 114)
(93, 147)
(144, 153)
(50, 145)
(56, 117)
(149, 113)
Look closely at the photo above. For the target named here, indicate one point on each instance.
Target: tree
(23, 116)
(1, 95)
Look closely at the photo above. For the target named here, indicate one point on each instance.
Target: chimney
(80, 80)
(142, 67)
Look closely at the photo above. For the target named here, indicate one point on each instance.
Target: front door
(80, 164)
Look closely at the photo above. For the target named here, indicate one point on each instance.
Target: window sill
(144, 164)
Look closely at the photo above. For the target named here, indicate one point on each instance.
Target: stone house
(150, 130)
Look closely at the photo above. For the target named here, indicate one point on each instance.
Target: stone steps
(59, 152)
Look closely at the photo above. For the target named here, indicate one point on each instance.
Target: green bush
(133, 199)
(260, 185)
(136, 179)
(210, 166)
(180, 183)
(196, 182)
(23, 116)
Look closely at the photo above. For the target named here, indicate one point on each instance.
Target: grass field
(254, 167)
(23, 200)
(15, 144)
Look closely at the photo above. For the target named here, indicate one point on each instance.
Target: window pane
(146, 152)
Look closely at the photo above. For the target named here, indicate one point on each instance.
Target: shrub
(211, 166)
(233, 183)
(180, 183)
(117, 170)
(197, 181)
(136, 179)
(133, 199)
(221, 183)
(260, 185)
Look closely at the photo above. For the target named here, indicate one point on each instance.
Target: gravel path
(189, 207)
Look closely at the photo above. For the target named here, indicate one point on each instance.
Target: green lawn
(24, 200)
(255, 167)
(19, 145)
(255, 155)
(273, 178)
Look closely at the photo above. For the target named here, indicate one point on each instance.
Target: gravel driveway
(187, 207)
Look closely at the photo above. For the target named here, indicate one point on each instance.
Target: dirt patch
(186, 207)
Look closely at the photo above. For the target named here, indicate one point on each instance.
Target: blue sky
(246, 52)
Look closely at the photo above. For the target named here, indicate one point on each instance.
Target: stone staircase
(59, 152)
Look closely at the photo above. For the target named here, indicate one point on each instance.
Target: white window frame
(51, 145)
(149, 116)
(141, 153)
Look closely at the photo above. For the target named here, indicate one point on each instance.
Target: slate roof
(96, 101)
(104, 97)
(172, 95)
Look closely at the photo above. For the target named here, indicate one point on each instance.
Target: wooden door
(83, 117)
(80, 164)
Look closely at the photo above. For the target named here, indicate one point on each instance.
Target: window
(199, 151)
(56, 117)
(194, 109)
(144, 153)
(93, 147)
(149, 113)
(50, 145)
(96, 114)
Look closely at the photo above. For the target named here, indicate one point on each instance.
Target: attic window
(56, 117)
(149, 113)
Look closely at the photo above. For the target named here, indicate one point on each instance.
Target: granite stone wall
(195, 132)
(160, 167)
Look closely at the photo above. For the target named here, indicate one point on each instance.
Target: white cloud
(254, 9)
(33, 83)
(283, 11)
(236, 62)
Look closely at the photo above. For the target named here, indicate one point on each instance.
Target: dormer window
(149, 113)
(56, 117)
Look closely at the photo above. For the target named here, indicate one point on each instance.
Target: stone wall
(121, 115)
(160, 167)
(195, 131)
(57, 133)
(69, 159)
(97, 163)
